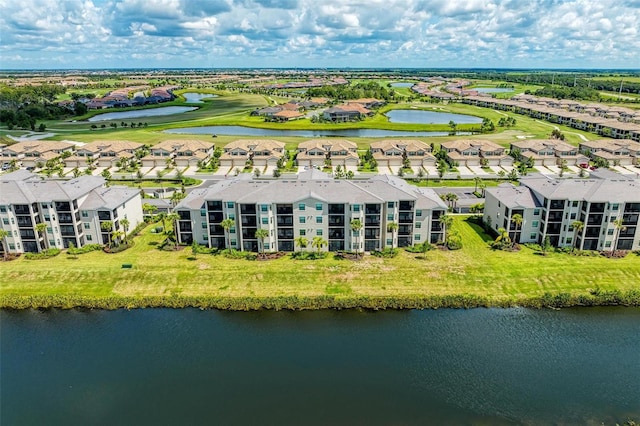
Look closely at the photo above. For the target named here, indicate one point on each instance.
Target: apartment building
(608, 207)
(549, 152)
(340, 152)
(313, 204)
(476, 153)
(73, 210)
(615, 152)
(30, 153)
(394, 152)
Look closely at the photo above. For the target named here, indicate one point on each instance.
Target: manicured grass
(473, 271)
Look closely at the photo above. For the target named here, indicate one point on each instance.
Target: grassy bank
(473, 276)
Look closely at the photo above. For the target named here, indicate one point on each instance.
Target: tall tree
(517, 221)
(125, 225)
(318, 243)
(261, 234)
(107, 226)
(619, 225)
(227, 224)
(446, 221)
(174, 218)
(41, 229)
(393, 227)
(356, 227)
(301, 242)
(577, 226)
(3, 238)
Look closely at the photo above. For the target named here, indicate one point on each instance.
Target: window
(416, 237)
(265, 220)
(356, 207)
(302, 206)
(12, 246)
(573, 216)
(204, 225)
(87, 225)
(615, 207)
(49, 230)
(232, 216)
(85, 213)
(318, 219)
(3, 209)
(52, 243)
(203, 212)
(536, 212)
(533, 236)
(418, 213)
(390, 205)
(264, 208)
(266, 246)
(319, 206)
(89, 238)
(389, 241)
(609, 231)
(303, 232)
(574, 204)
(5, 220)
(232, 230)
(534, 224)
(612, 219)
(607, 244)
(229, 204)
(418, 225)
(302, 219)
(390, 216)
(233, 243)
(568, 240)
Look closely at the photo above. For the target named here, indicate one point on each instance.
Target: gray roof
(32, 191)
(108, 198)
(514, 196)
(20, 174)
(592, 190)
(312, 185)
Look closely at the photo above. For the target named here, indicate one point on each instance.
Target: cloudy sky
(36, 34)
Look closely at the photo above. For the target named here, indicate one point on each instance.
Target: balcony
(336, 220)
(284, 220)
(336, 208)
(214, 205)
(284, 209)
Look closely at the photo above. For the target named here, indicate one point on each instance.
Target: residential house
(259, 152)
(614, 152)
(73, 211)
(30, 153)
(467, 152)
(346, 112)
(103, 153)
(551, 206)
(548, 152)
(182, 153)
(338, 152)
(394, 152)
(311, 205)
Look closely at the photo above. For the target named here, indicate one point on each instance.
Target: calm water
(196, 97)
(151, 112)
(493, 89)
(429, 117)
(402, 84)
(252, 131)
(161, 366)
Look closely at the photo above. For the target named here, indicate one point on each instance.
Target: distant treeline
(356, 91)
(563, 92)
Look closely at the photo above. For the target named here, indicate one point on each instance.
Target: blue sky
(36, 34)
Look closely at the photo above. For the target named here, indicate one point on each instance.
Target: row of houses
(120, 98)
(608, 127)
(594, 109)
(311, 205)
(74, 211)
(356, 109)
(608, 208)
(291, 110)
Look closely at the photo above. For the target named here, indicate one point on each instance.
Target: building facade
(72, 210)
(608, 208)
(313, 205)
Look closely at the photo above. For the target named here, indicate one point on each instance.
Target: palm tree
(477, 180)
(227, 224)
(301, 242)
(517, 221)
(40, 229)
(3, 237)
(107, 226)
(445, 223)
(174, 218)
(356, 226)
(503, 237)
(148, 208)
(125, 225)
(392, 227)
(115, 237)
(618, 224)
(318, 243)
(261, 234)
(577, 226)
(163, 217)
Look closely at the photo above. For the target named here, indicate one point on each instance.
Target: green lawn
(473, 271)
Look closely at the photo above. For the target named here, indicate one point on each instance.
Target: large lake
(253, 131)
(163, 366)
(417, 116)
(150, 112)
(196, 97)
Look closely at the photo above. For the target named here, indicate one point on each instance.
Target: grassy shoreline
(475, 276)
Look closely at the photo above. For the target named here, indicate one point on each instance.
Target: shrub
(308, 255)
(119, 248)
(454, 241)
(386, 252)
(45, 254)
(82, 250)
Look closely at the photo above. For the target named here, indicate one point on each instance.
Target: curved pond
(197, 97)
(416, 116)
(150, 112)
(493, 89)
(446, 366)
(402, 84)
(252, 131)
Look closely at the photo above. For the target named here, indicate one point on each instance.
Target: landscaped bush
(419, 248)
(615, 254)
(454, 241)
(120, 247)
(308, 255)
(386, 252)
(233, 254)
(45, 254)
(86, 249)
